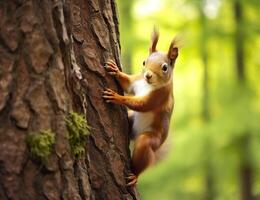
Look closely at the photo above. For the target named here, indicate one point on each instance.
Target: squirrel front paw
(111, 67)
(111, 96)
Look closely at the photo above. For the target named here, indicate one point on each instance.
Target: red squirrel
(152, 103)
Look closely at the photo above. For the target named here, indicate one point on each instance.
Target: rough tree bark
(52, 52)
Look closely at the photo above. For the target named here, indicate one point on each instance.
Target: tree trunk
(246, 169)
(209, 179)
(239, 41)
(52, 53)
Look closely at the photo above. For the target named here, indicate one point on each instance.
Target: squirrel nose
(148, 75)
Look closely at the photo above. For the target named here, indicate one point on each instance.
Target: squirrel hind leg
(146, 145)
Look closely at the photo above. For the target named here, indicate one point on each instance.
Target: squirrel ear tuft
(173, 52)
(154, 40)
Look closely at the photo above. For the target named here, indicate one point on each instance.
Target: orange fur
(156, 99)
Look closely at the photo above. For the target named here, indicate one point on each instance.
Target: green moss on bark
(40, 143)
(78, 130)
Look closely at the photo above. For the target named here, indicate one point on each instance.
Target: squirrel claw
(112, 73)
(130, 177)
(111, 96)
(112, 62)
(132, 180)
(108, 91)
(111, 67)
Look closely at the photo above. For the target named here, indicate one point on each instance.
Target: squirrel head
(158, 67)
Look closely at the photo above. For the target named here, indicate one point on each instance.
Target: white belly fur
(142, 120)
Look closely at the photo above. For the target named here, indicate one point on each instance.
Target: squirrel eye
(144, 63)
(164, 67)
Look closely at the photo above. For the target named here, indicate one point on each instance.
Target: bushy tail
(164, 150)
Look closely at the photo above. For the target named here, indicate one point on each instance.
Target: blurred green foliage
(213, 155)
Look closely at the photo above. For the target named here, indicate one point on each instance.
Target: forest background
(214, 140)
